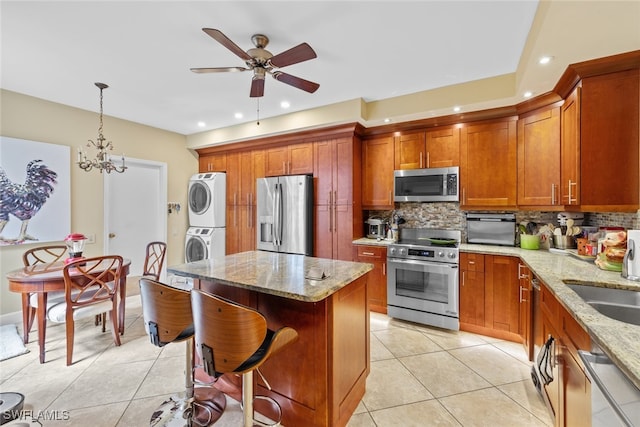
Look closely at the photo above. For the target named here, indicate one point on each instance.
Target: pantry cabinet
(539, 159)
(293, 159)
(377, 173)
(377, 278)
(337, 197)
(488, 172)
(243, 170)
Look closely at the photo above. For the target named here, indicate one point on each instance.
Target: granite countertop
(372, 242)
(619, 340)
(278, 274)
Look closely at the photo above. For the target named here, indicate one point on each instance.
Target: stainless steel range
(422, 280)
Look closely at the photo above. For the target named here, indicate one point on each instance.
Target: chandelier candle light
(101, 161)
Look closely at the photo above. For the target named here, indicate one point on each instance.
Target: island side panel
(349, 349)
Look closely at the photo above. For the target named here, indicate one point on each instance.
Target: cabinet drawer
(371, 251)
(471, 262)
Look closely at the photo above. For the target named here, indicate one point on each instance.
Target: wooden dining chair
(91, 287)
(154, 260)
(33, 256)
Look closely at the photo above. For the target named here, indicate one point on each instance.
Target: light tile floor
(420, 376)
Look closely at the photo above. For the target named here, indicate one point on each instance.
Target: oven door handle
(422, 263)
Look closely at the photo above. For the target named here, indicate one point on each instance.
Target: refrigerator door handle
(277, 215)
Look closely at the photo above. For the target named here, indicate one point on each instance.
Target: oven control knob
(441, 254)
(401, 251)
(452, 255)
(392, 251)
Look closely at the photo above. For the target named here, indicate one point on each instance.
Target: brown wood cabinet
(472, 291)
(293, 159)
(377, 279)
(539, 159)
(570, 150)
(377, 173)
(570, 391)
(502, 304)
(435, 148)
(337, 197)
(243, 170)
(212, 163)
(609, 142)
(488, 173)
(410, 152)
(525, 329)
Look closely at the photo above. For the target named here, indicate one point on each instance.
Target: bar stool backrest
(166, 312)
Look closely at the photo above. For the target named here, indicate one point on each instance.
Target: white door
(135, 210)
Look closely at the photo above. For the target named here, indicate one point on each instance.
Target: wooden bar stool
(168, 318)
(231, 338)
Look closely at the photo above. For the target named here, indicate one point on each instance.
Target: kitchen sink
(618, 304)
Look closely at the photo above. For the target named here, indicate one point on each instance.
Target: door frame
(162, 199)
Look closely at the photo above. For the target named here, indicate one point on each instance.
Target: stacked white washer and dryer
(207, 205)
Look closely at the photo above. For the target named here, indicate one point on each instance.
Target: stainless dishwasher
(615, 400)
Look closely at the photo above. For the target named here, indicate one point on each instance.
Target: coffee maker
(631, 260)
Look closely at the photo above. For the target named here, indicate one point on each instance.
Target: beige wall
(34, 119)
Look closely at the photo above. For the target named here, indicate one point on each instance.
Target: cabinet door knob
(112, 235)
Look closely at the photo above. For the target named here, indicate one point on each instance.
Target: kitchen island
(320, 379)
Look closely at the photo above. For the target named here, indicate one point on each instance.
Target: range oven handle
(421, 263)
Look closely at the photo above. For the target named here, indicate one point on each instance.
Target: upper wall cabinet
(488, 166)
(377, 173)
(609, 153)
(212, 163)
(570, 150)
(539, 159)
(436, 148)
(294, 159)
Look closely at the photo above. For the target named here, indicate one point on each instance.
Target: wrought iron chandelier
(102, 162)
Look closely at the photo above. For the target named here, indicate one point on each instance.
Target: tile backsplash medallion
(449, 216)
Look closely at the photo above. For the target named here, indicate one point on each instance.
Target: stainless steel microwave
(427, 185)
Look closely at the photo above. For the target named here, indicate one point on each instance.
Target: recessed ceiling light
(285, 104)
(387, 120)
(201, 124)
(528, 94)
(545, 60)
(238, 115)
(456, 109)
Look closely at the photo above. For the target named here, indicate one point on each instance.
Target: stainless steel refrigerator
(285, 214)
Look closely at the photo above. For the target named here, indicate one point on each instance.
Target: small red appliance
(75, 243)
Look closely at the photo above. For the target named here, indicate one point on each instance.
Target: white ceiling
(143, 50)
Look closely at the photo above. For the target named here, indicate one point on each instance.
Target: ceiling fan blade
(302, 52)
(297, 82)
(257, 88)
(218, 69)
(226, 42)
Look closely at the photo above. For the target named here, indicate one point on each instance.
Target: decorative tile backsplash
(449, 216)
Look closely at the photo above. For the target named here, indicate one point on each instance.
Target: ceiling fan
(263, 62)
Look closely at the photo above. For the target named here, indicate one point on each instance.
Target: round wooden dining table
(43, 278)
